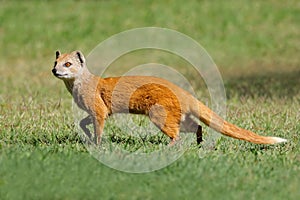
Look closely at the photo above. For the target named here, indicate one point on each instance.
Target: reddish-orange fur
(168, 106)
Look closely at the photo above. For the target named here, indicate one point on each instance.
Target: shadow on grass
(271, 85)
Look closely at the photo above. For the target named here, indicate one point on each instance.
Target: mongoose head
(68, 66)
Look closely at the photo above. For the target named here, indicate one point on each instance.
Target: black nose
(54, 71)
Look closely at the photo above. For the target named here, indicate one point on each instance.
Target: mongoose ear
(80, 57)
(57, 53)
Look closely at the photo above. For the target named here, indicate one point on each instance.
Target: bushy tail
(214, 121)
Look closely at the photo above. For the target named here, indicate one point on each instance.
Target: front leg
(83, 125)
(98, 122)
(99, 113)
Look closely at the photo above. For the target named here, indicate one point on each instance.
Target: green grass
(256, 46)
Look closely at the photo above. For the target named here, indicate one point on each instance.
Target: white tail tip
(279, 140)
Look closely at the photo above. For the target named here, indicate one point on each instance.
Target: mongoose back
(168, 106)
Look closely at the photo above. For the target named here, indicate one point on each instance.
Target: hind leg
(167, 122)
(199, 134)
(170, 128)
(189, 125)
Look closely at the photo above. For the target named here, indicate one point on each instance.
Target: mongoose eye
(68, 64)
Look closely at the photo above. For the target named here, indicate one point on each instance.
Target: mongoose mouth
(61, 76)
(54, 71)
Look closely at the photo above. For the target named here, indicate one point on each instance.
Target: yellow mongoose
(168, 106)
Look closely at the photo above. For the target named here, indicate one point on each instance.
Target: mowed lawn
(256, 46)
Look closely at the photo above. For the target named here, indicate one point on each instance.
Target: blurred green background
(256, 46)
